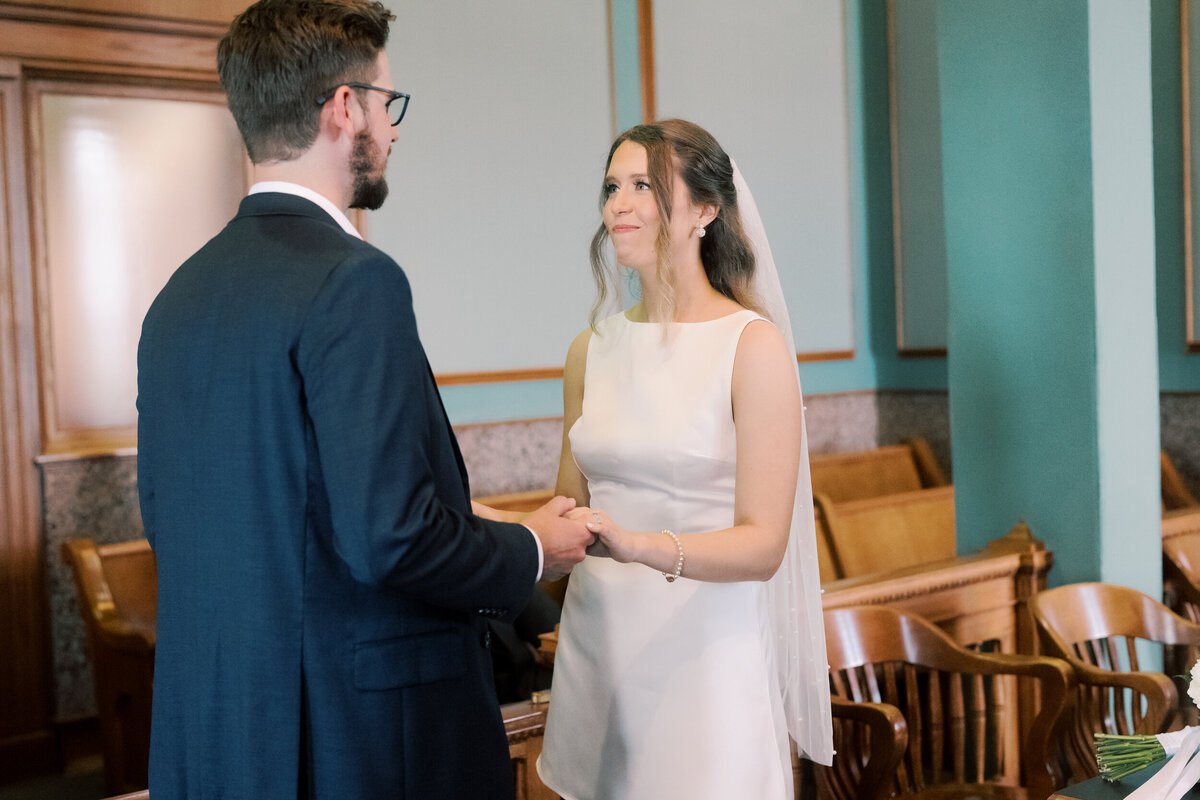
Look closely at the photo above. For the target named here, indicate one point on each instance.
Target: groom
(323, 587)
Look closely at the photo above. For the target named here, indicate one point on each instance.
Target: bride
(692, 646)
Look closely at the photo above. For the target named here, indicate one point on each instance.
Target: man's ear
(340, 113)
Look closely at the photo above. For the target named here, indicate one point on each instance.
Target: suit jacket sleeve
(382, 440)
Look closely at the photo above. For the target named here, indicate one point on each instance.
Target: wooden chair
(1175, 493)
(959, 708)
(873, 473)
(1097, 628)
(118, 597)
(880, 534)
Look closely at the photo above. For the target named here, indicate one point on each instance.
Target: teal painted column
(1048, 184)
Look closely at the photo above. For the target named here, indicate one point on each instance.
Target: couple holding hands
(324, 580)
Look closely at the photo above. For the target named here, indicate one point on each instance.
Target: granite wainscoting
(1179, 420)
(95, 498)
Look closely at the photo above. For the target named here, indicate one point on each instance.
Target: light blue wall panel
(769, 81)
(1126, 336)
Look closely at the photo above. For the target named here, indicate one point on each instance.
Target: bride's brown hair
(707, 172)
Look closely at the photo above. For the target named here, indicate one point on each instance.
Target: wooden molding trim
(645, 14)
(499, 376)
(556, 373)
(72, 41)
(824, 355)
(109, 20)
(27, 743)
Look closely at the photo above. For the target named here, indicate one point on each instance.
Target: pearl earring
(700, 231)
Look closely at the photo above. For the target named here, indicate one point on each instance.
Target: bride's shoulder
(760, 339)
(577, 352)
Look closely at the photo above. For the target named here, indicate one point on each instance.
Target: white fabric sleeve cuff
(541, 553)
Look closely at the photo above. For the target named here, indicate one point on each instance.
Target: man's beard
(368, 191)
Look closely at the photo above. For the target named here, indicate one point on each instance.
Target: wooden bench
(880, 534)
(117, 590)
(872, 473)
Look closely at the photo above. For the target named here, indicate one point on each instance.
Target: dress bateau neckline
(624, 316)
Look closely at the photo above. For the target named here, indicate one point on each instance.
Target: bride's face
(631, 213)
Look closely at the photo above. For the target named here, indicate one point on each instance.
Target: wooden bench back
(881, 534)
(117, 586)
(872, 473)
(1175, 493)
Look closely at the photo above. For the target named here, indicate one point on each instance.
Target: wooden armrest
(889, 740)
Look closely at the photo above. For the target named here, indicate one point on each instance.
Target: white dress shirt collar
(287, 187)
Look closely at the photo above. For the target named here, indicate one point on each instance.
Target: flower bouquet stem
(1118, 756)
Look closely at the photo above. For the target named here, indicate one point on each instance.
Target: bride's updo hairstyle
(725, 251)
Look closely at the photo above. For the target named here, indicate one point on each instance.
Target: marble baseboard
(917, 413)
(508, 457)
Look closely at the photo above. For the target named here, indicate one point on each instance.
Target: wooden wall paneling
(84, 42)
(154, 11)
(94, 43)
(27, 744)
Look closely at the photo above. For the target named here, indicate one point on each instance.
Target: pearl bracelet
(678, 564)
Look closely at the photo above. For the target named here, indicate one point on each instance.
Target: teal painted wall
(1016, 141)
(1047, 140)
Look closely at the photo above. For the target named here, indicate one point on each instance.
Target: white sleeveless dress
(663, 690)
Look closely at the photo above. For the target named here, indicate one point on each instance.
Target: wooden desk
(1100, 789)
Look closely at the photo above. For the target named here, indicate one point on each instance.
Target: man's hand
(564, 541)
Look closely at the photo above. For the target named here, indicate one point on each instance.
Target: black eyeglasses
(395, 113)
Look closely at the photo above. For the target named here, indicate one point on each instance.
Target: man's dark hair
(280, 56)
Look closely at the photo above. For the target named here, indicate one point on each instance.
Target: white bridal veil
(794, 593)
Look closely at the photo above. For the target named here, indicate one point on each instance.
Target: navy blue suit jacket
(323, 585)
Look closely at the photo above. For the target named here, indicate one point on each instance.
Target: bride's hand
(586, 515)
(612, 541)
